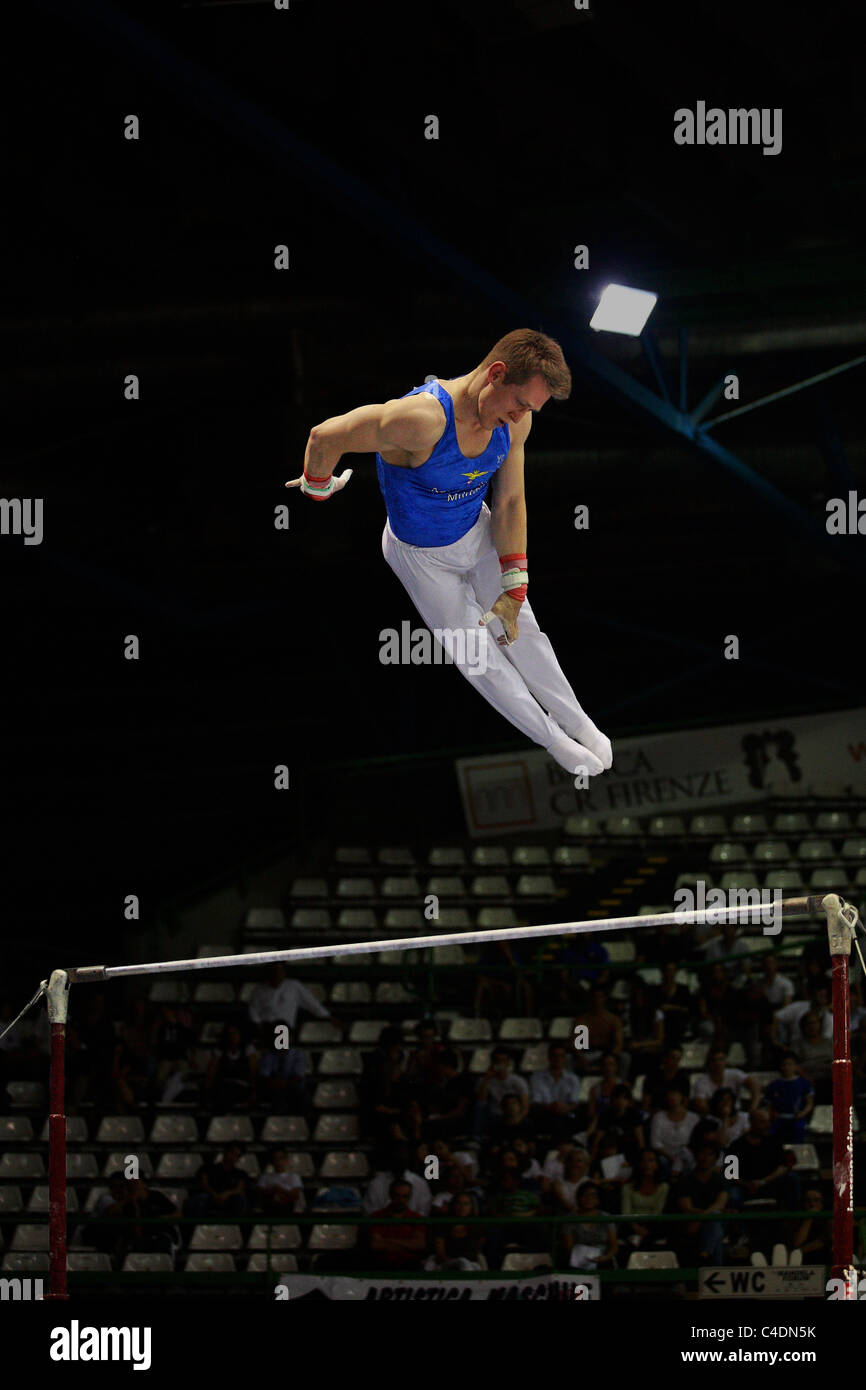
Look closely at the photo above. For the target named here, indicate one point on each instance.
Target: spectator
(393, 1113)
(786, 1021)
(704, 1190)
(717, 1002)
(458, 1246)
(390, 1164)
(646, 1022)
(778, 989)
(620, 1123)
(447, 1104)
(454, 1182)
(555, 1094)
(720, 1076)
(91, 1053)
(398, 1246)
(518, 1198)
(424, 1056)
(575, 1174)
(499, 1080)
(601, 1091)
(127, 1201)
(751, 1023)
(174, 1039)
(815, 1052)
(729, 942)
(590, 1243)
(645, 1195)
(763, 1167)
(220, 1187)
(674, 1003)
(512, 1126)
(791, 1099)
(605, 1033)
(230, 1079)
(671, 1130)
(506, 988)
(666, 1074)
(723, 1123)
(282, 1070)
(280, 1189)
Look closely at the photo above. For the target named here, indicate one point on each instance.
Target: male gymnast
(462, 564)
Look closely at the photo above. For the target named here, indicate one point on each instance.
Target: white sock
(574, 756)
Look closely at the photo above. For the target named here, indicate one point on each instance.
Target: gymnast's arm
(408, 426)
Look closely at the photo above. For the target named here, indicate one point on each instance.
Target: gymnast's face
(500, 403)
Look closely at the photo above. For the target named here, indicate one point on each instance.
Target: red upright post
(58, 991)
(840, 930)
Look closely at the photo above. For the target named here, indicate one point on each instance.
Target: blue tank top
(438, 502)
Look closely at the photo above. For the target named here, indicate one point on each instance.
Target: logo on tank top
(476, 473)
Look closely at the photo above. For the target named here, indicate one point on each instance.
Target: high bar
(789, 907)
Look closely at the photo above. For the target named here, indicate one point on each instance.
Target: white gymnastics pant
(452, 586)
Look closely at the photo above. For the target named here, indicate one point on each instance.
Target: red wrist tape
(507, 562)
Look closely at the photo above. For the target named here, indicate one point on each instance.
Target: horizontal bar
(789, 907)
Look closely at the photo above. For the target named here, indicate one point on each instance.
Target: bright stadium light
(623, 310)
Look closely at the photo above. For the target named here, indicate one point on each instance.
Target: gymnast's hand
(320, 492)
(506, 609)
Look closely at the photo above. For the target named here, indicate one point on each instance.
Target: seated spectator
(446, 1105)
(520, 1199)
(777, 988)
(499, 1081)
(128, 1202)
(763, 1167)
(513, 1125)
(671, 1130)
(425, 1054)
(398, 1246)
(392, 1112)
(134, 1065)
(815, 1052)
(453, 1182)
(456, 1245)
(575, 1173)
(645, 1195)
(554, 1163)
(786, 1021)
(221, 1187)
(791, 1099)
(622, 1123)
(717, 1003)
(590, 1244)
(230, 1079)
(751, 1023)
(280, 1190)
(605, 1034)
(723, 1123)
(813, 1235)
(390, 1164)
(601, 1091)
(658, 1079)
(610, 1172)
(705, 1190)
(729, 942)
(282, 1070)
(720, 1076)
(174, 1040)
(555, 1095)
(646, 1022)
(674, 1003)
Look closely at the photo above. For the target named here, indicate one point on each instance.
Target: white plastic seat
(345, 1164)
(285, 1129)
(497, 917)
(335, 1095)
(392, 958)
(466, 1030)
(623, 825)
(788, 880)
(357, 919)
(117, 1160)
(811, 849)
(521, 1260)
(278, 1263)
(147, 1262)
(396, 857)
(311, 919)
(694, 1056)
(448, 955)
(210, 1262)
(230, 1129)
(168, 992)
(738, 878)
(536, 886)
(301, 888)
(337, 1129)
(707, 825)
(854, 848)
(120, 1129)
(351, 992)
(277, 1237)
(832, 822)
(174, 1129)
(401, 887)
(10, 1198)
(16, 1129)
(619, 952)
(520, 1030)
(652, 1259)
(352, 856)
(691, 878)
(749, 823)
(806, 1157)
(791, 823)
(340, 1061)
(365, 1031)
(80, 1261)
(490, 857)
(666, 827)
(479, 1062)
(446, 886)
(81, 1166)
(453, 919)
(210, 992)
(447, 857)
(530, 857)
(76, 1130)
(534, 1058)
(22, 1165)
(316, 1031)
(728, 852)
(404, 920)
(29, 1237)
(356, 888)
(179, 1165)
(571, 857)
(40, 1195)
(222, 1237)
(327, 1237)
(490, 886)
